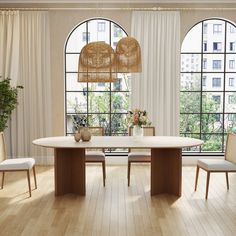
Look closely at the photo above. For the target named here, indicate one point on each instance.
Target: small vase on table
(137, 130)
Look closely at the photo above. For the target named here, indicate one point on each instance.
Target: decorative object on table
(97, 63)
(77, 136)
(85, 134)
(137, 118)
(8, 101)
(128, 54)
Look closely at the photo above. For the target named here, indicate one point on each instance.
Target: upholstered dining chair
(15, 164)
(218, 165)
(97, 156)
(139, 155)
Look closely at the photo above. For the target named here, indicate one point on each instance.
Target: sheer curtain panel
(32, 118)
(156, 88)
(9, 45)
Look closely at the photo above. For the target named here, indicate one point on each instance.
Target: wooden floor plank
(117, 209)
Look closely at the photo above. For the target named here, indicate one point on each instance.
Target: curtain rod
(123, 9)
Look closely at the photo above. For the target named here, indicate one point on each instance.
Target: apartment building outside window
(216, 82)
(216, 64)
(217, 28)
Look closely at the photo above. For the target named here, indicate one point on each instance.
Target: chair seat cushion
(95, 156)
(139, 157)
(216, 165)
(17, 164)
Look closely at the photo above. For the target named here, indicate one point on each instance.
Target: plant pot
(85, 134)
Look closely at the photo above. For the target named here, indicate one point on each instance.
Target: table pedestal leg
(69, 171)
(166, 171)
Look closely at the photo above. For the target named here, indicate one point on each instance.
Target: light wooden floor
(117, 209)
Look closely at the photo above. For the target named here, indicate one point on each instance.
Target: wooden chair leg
(3, 175)
(104, 173)
(227, 180)
(35, 181)
(196, 178)
(207, 183)
(129, 166)
(28, 176)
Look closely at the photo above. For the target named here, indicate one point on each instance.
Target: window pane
(230, 102)
(213, 82)
(72, 62)
(212, 143)
(212, 102)
(230, 83)
(100, 120)
(215, 35)
(230, 123)
(75, 37)
(123, 83)
(212, 123)
(118, 123)
(72, 84)
(119, 102)
(193, 40)
(231, 38)
(98, 86)
(190, 62)
(213, 62)
(189, 123)
(190, 82)
(76, 102)
(230, 63)
(190, 102)
(99, 30)
(116, 34)
(98, 102)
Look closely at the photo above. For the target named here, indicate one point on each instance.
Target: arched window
(208, 83)
(94, 104)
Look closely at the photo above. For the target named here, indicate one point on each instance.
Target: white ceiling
(118, 1)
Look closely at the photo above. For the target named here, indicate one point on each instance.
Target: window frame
(202, 73)
(110, 92)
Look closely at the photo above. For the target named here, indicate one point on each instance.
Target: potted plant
(8, 101)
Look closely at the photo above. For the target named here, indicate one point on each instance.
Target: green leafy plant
(8, 101)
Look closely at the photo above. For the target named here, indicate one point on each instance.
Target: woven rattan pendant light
(97, 63)
(128, 55)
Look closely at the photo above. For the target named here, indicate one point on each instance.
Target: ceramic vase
(85, 134)
(77, 136)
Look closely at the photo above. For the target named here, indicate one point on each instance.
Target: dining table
(166, 160)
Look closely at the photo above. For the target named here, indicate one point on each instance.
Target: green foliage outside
(8, 101)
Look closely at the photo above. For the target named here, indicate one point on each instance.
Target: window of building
(216, 64)
(217, 46)
(205, 109)
(216, 99)
(216, 82)
(204, 81)
(232, 46)
(231, 82)
(94, 104)
(205, 46)
(231, 64)
(217, 28)
(204, 63)
(231, 99)
(86, 36)
(101, 26)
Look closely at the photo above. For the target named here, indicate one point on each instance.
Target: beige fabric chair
(139, 155)
(219, 165)
(97, 156)
(15, 164)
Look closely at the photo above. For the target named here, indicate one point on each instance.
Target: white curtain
(9, 45)
(156, 89)
(32, 117)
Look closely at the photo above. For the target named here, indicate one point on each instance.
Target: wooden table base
(69, 171)
(166, 171)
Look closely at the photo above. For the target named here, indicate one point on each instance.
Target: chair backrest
(230, 151)
(147, 131)
(2, 147)
(96, 131)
